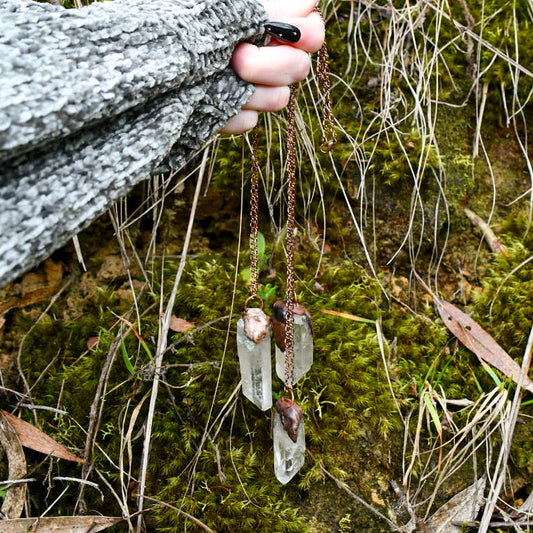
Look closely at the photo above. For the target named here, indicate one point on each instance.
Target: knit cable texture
(92, 101)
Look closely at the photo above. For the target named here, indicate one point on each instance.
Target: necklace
(291, 322)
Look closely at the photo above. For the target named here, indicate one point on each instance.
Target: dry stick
(95, 416)
(207, 429)
(164, 325)
(360, 500)
(507, 440)
(494, 243)
(94, 419)
(185, 514)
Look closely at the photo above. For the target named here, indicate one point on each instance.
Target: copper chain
(291, 200)
(254, 205)
(329, 136)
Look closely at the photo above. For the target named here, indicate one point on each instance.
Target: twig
(44, 408)
(360, 500)
(15, 481)
(507, 440)
(181, 511)
(78, 480)
(494, 243)
(94, 419)
(122, 505)
(164, 325)
(196, 330)
(494, 524)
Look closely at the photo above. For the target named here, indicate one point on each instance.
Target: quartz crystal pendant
(289, 440)
(303, 339)
(253, 346)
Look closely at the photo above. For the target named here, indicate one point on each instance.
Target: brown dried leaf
(92, 342)
(179, 325)
(35, 439)
(476, 339)
(463, 507)
(60, 524)
(35, 287)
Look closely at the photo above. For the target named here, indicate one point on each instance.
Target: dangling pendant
(253, 347)
(303, 339)
(289, 439)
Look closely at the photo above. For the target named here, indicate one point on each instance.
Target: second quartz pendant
(303, 339)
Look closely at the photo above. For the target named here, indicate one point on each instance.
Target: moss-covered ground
(376, 367)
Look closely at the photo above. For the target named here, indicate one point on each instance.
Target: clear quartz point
(255, 364)
(303, 349)
(288, 455)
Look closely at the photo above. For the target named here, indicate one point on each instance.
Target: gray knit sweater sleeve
(94, 100)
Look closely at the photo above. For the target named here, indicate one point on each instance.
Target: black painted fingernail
(283, 32)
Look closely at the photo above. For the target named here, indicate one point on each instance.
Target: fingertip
(318, 36)
(244, 121)
(244, 59)
(268, 98)
(271, 65)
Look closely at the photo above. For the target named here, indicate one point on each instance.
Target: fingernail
(283, 32)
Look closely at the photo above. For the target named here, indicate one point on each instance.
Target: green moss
(353, 427)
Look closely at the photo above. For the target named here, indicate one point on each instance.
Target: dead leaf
(349, 316)
(35, 287)
(60, 524)
(377, 499)
(2, 322)
(92, 342)
(476, 339)
(112, 268)
(15, 494)
(463, 507)
(179, 325)
(35, 439)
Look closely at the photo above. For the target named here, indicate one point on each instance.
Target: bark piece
(15, 494)
(60, 524)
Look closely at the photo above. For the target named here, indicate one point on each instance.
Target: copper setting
(291, 415)
(256, 324)
(279, 317)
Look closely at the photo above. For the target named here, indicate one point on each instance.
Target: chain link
(329, 135)
(254, 206)
(291, 200)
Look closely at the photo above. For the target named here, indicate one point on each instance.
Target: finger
(312, 31)
(281, 9)
(268, 98)
(244, 121)
(270, 65)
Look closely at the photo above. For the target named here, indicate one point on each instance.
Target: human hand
(276, 66)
